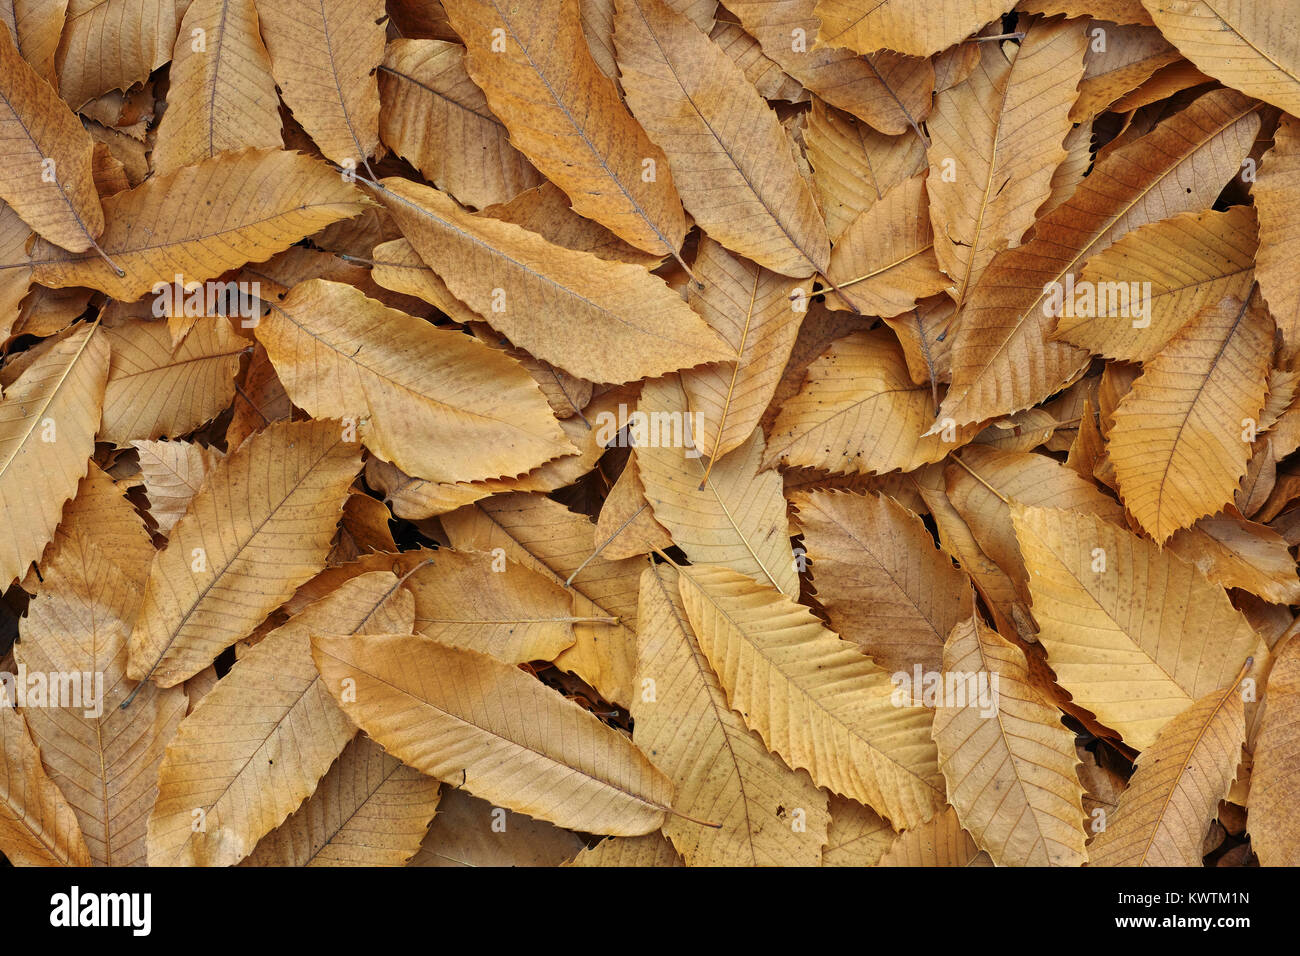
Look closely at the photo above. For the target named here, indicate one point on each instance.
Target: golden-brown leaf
(599, 320)
(487, 726)
(817, 701)
(47, 172)
(567, 118)
(1010, 773)
(1180, 442)
(258, 742)
(48, 421)
(731, 160)
(1134, 661)
(260, 526)
(221, 95)
(1164, 814)
(323, 55)
(722, 772)
(434, 402)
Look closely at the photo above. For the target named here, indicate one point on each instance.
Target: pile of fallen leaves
(650, 432)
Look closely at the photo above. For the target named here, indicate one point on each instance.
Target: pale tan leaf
(111, 44)
(732, 514)
(1277, 199)
(37, 826)
(758, 313)
(885, 262)
(652, 850)
(36, 26)
(1120, 58)
(1271, 820)
(772, 82)
(854, 166)
(626, 526)
(938, 842)
(1250, 45)
(468, 831)
(1002, 360)
(1237, 553)
(155, 390)
(544, 535)
(996, 141)
(1164, 814)
(545, 210)
(103, 758)
(857, 835)
(491, 605)
(173, 473)
(810, 695)
(983, 484)
(889, 91)
(896, 25)
(99, 512)
(1191, 261)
